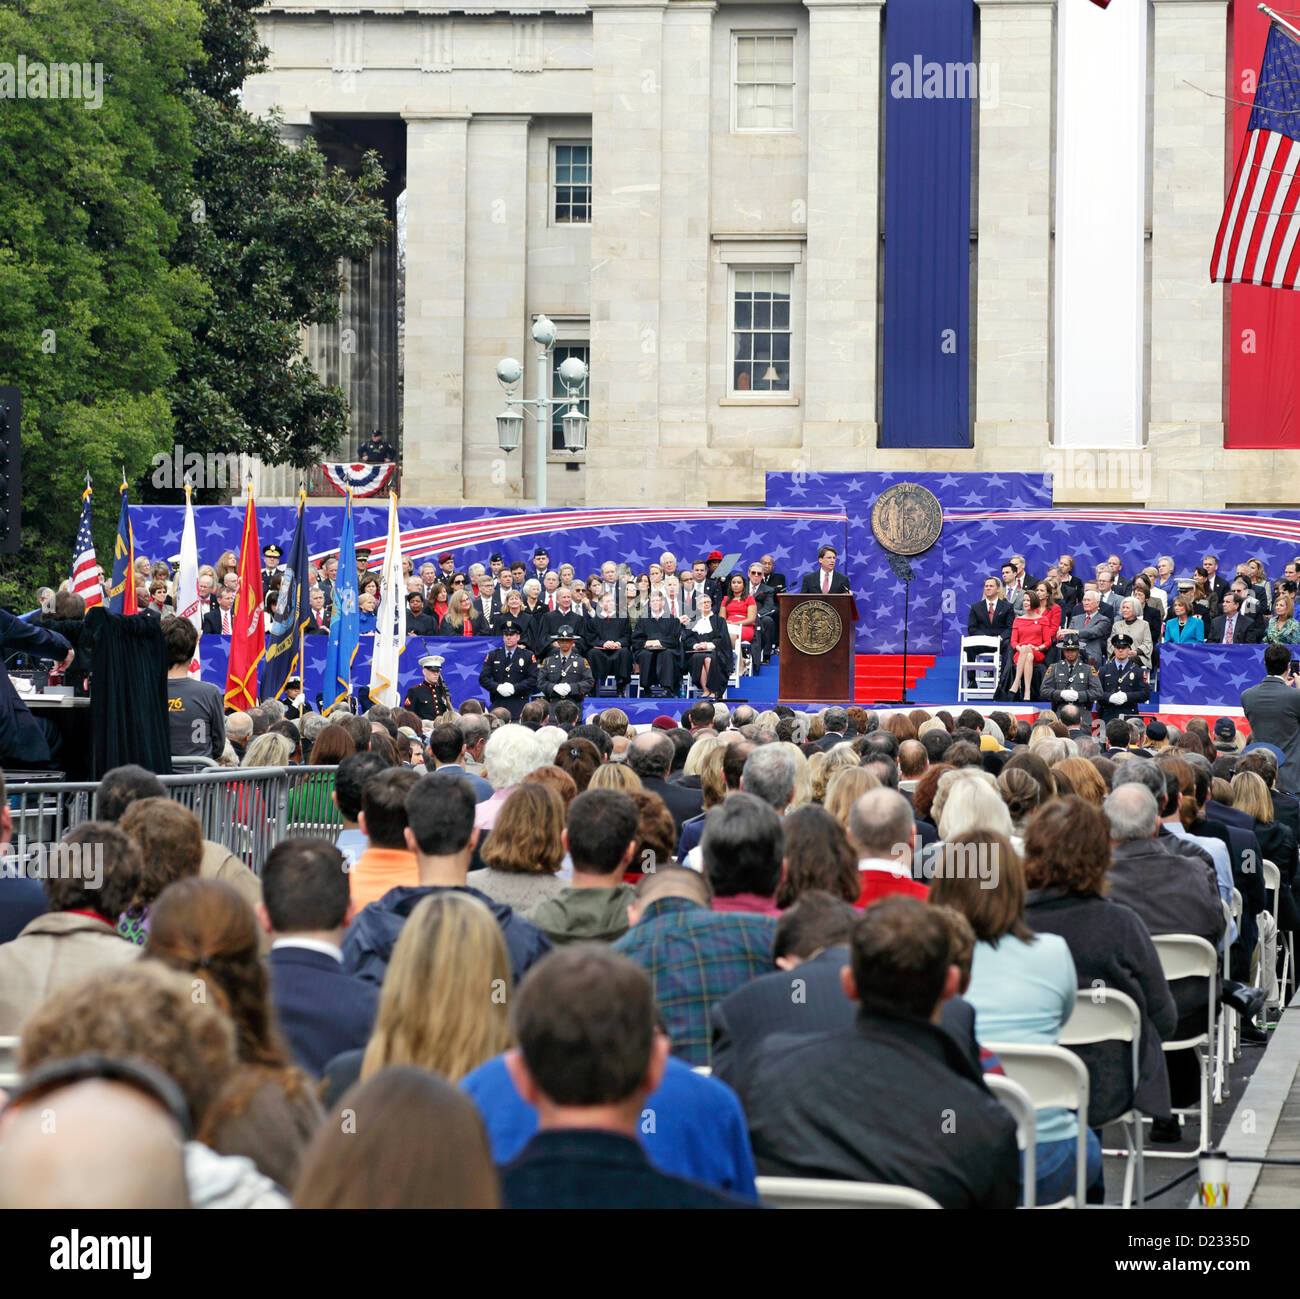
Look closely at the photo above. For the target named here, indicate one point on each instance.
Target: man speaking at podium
(827, 579)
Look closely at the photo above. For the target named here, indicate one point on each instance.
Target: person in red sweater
(1029, 642)
(883, 832)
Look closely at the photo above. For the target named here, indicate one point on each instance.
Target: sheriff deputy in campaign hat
(509, 672)
(566, 675)
(431, 698)
(1123, 679)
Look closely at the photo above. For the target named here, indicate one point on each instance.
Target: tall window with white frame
(760, 330)
(762, 81)
(559, 354)
(571, 182)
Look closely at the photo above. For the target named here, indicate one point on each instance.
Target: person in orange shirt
(882, 829)
(387, 863)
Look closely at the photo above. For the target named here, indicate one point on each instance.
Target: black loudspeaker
(11, 469)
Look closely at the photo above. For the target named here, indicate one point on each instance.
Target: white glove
(1071, 695)
(505, 688)
(562, 689)
(1119, 697)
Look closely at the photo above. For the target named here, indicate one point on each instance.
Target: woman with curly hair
(840, 758)
(170, 840)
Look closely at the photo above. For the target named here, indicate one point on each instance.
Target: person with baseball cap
(509, 672)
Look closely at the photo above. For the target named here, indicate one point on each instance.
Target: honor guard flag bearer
(390, 621)
(345, 621)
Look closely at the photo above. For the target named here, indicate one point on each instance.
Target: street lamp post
(573, 374)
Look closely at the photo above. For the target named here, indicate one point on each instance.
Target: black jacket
(1245, 631)
(808, 999)
(978, 623)
(590, 1168)
(667, 631)
(1112, 948)
(321, 1008)
(812, 583)
(890, 1099)
(681, 803)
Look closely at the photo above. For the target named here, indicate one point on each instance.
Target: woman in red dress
(1029, 641)
(1050, 604)
(739, 607)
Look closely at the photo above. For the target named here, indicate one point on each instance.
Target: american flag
(85, 571)
(1257, 241)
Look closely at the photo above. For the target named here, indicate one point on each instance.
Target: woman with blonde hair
(968, 802)
(524, 850)
(698, 752)
(839, 758)
(444, 1005)
(270, 749)
(802, 776)
(844, 788)
(1084, 778)
(615, 775)
(767, 720)
(462, 618)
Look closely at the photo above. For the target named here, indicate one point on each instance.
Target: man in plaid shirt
(694, 956)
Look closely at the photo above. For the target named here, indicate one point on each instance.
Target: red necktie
(1227, 640)
(990, 613)
(672, 608)
(551, 603)
(1087, 619)
(826, 583)
(225, 622)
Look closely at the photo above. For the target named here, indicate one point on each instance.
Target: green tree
(92, 312)
(266, 224)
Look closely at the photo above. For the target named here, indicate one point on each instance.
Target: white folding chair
(1055, 1079)
(1188, 956)
(824, 1193)
(1015, 1098)
(9, 1075)
(985, 665)
(1108, 1015)
(1273, 883)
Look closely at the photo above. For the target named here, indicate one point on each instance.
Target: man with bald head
(109, 1147)
(650, 755)
(883, 832)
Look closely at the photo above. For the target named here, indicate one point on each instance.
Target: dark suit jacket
(212, 621)
(588, 1168)
(22, 740)
(764, 600)
(551, 623)
(978, 624)
(776, 581)
(598, 630)
(312, 630)
(831, 739)
(323, 1010)
(1246, 631)
(1273, 711)
(808, 999)
(864, 1103)
(812, 583)
(683, 803)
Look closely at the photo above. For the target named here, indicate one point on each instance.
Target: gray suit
(1092, 639)
(1273, 711)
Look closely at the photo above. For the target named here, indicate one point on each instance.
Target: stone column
(683, 343)
(843, 230)
(626, 129)
(1185, 433)
(434, 380)
(495, 272)
(1014, 248)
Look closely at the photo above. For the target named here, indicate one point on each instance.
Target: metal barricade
(247, 810)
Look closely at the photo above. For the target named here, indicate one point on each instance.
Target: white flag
(390, 621)
(187, 578)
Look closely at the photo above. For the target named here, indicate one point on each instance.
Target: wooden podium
(810, 673)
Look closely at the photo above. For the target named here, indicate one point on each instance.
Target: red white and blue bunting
(364, 480)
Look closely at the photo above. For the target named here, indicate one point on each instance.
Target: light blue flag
(344, 620)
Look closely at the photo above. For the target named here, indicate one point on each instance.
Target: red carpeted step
(880, 676)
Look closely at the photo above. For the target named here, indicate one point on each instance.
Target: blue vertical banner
(345, 624)
(932, 88)
(121, 590)
(289, 613)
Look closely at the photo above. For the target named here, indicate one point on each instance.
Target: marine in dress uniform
(566, 675)
(1072, 679)
(509, 673)
(1122, 676)
(432, 699)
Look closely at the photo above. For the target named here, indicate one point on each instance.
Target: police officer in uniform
(432, 699)
(1071, 680)
(377, 451)
(271, 555)
(566, 675)
(509, 673)
(1123, 681)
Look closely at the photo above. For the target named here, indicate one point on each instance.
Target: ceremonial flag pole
(121, 591)
(85, 567)
(390, 622)
(289, 614)
(187, 575)
(345, 630)
(248, 639)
